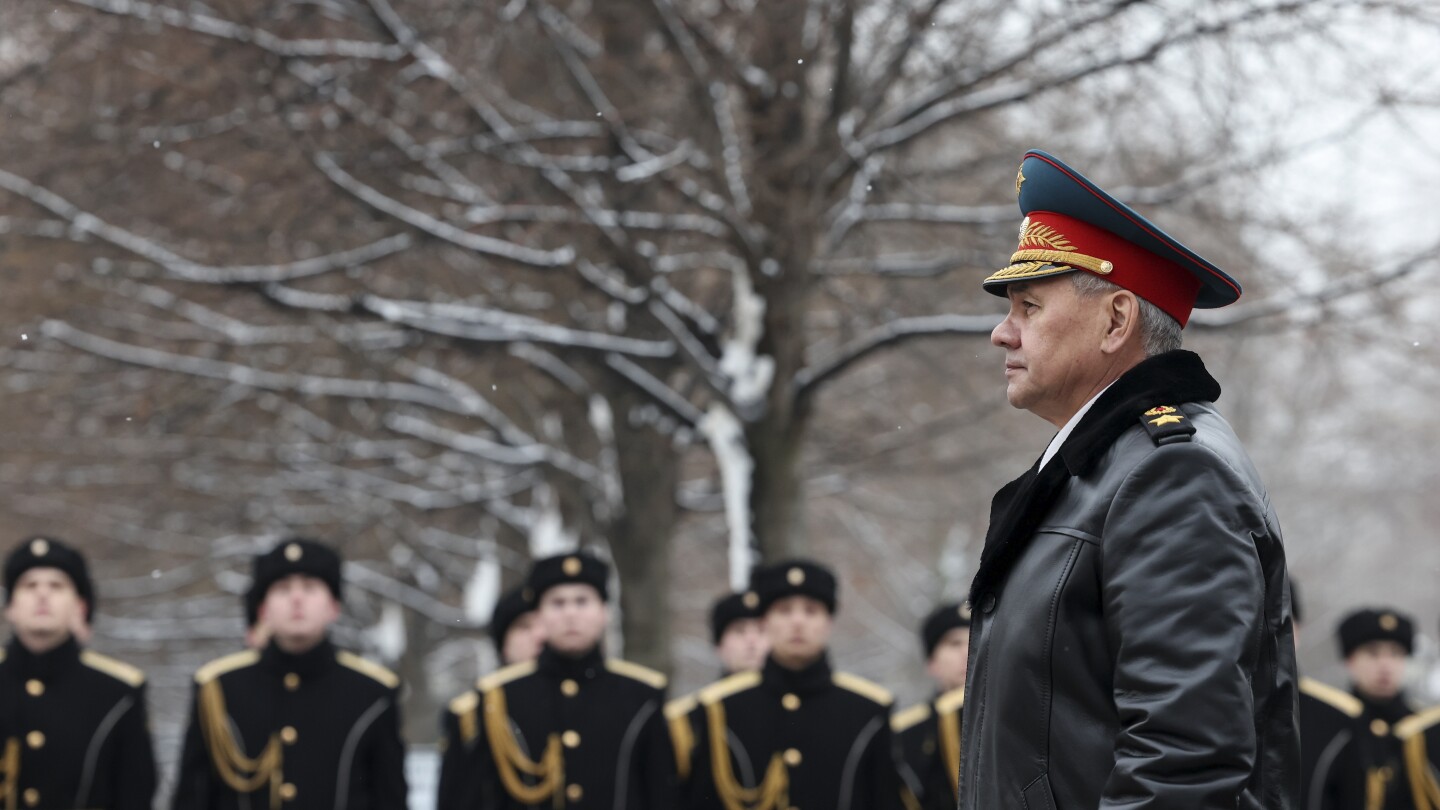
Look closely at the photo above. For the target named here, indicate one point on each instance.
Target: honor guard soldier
(796, 734)
(736, 632)
(571, 729)
(72, 721)
(928, 735)
(1327, 726)
(518, 637)
(1419, 736)
(1374, 772)
(298, 723)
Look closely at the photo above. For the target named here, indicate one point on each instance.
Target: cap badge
(750, 600)
(40, 547)
(795, 576)
(293, 552)
(571, 566)
(964, 611)
(1388, 622)
(1019, 180)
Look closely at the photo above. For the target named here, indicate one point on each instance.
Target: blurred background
(692, 282)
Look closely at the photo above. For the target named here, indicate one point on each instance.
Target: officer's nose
(1005, 335)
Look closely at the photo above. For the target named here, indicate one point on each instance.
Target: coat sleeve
(387, 760)
(135, 758)
(1183, 600)
(656, 760)
(196, 787)
(884, 766)
(458, 783)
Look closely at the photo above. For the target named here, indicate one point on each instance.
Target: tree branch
(810, 378)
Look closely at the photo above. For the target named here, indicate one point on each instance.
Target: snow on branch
(184, 269)
(942, 214)
(480, 447)
(907, 265)
(235, 331)
(726, 437)
(225, 29)
(896, 331)
(662, 393)
(387, 587)
(441, 230)
(488, 325)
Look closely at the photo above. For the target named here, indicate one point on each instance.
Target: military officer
(72, 721)
(927, 736)
(518, 637)
(736, 632)
(1373, 772)
(572, 728)
(796, 733)
(1419, 737)
(298, 723)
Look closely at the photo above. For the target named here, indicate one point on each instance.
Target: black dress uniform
(1419, 737)
(1328, 726)
(273, 730)
(313, 730)
(813, 739)
(72, 721)
(927, 737)
(74, 730)
(561, 731)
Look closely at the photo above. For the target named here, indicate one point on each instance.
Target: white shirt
(1054, 446)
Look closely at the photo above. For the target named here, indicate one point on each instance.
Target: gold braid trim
(950, 747)
(1376, 779)
(230, 761)
(907, 798)
(1090, 263)
(1422, 778)
(773, 792)
(550, 770)
(10, 764)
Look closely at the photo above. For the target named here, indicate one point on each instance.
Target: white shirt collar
(1055, 443)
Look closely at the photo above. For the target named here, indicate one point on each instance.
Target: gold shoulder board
(1344, 701)
(909, 718)
(1418, 722)
(950, 701)
(501, 677)
(368, 668)
(864, 688)
(465, 703)
(119, 670)
(718, 691)
(229, 663)
(680, 707)
(636, 672)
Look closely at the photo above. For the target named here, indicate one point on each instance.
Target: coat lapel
(1019, 506)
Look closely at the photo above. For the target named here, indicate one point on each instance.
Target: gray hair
(1159, 333)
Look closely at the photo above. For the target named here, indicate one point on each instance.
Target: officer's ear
(1122, 327)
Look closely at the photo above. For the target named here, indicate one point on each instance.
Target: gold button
(569, 688)
(292, 681)
(32, 797)
(792, 757)
(790, 702)
(287, 792)
(1379, 727)
(574, 792)
(571, 739)
(795, 576)
(34, 687)
(289, 735)
(35, 739)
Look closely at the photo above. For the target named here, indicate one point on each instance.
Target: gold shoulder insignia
(228, 663)
(464, 703)
(368, 668)
(1417, 722)
(500, 677)
(909, 718)
(636, 672)
(721, 689)
(950, 701)
(1325, 693)
(864, 688)
(680, 707)
(119, 670)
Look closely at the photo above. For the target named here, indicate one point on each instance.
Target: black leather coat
(1132, 643)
